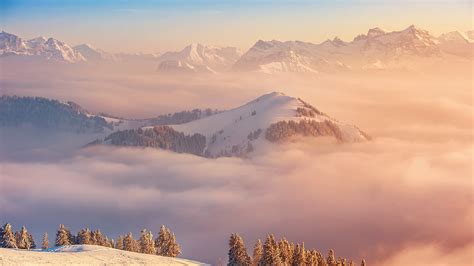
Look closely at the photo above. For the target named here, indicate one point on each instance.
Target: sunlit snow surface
(85, 255)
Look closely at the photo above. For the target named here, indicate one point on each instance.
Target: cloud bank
(405, 196)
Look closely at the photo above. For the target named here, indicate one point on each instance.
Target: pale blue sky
(153, 26)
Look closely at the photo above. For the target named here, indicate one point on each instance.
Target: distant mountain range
(271, 118)
(377, 49)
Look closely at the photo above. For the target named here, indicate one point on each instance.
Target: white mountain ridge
(86, 255)
(199, 58)
(373, 49)
(50, 49)
(377, 49)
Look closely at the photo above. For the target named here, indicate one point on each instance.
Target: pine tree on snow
(173, 247)
(166, 244)
(299, 255)
(331, 260)
(161, 241)
(286, 252)
(119, 243)
(32, 241)
(147, 245)
(45, 243)
(271, 252)
(84, 237)
(257, 253)
(23, 241)
(97, 238)
(237, 252)
(312, 258)
(7, 239)
(63, 236)
(129, 243)
(111, 243)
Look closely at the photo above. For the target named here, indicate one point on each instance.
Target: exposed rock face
(162, 137)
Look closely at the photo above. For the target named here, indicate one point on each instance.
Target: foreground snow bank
(85, 255)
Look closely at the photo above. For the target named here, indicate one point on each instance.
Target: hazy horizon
(368, 151)
(159, 26)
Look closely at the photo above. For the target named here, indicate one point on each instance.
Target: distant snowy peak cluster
(369, 50)
(374, 50)
(50, 49)
(199, 58)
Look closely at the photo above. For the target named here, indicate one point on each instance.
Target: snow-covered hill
(85, 255)
(273, 117)
(49, 49)
(240, 130)
(199, 58)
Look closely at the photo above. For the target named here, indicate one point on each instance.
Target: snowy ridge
(199, 58)
(50, 49)
(91, 53)
(237, 131)
(85, 255)
(378, 49)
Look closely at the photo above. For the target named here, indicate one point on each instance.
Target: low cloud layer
(406, 195)
(364, 200)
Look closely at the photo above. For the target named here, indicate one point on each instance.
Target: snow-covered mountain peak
(454, 36)
(375, 32)
(39, 47)
(237, 131)
(199, 58)
(338, 42)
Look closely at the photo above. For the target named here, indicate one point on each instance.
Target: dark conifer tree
(299, 257)
(45, 243)
(129, 243)
(84, 237)
(146, 242)
(238, 255)
(271, 252)
(257, 253)
(119, 243)
(63, 236)
(32, 241)
(331, 259)
(166, 244)
(23, 239)
(7, 238)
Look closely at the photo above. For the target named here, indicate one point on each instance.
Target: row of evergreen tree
(165, 243)
(281, 252)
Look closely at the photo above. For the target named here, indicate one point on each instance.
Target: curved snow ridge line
(86, 255)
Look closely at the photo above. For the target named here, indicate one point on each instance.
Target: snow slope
(91, 53)
(85, 255)
(230, 132)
